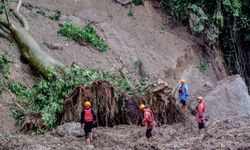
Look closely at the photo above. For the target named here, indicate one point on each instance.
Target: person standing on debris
(183, 94)
(148, 120)
(87, 117)
(200, 114)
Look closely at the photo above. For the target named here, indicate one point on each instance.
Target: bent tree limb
(28, 46)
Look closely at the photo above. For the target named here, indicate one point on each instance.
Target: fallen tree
(111, 105)
(28, 46)
(123, 109)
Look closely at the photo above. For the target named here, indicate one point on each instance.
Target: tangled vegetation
(223, 23)
(48, 97)
(85, 34)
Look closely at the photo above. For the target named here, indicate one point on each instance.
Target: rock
(54, 46)
(229, 98)
(76, 130)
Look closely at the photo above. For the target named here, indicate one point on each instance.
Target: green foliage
(178, 9)
(212, 34)
(202, 66)
(225, 23)
(36, 132)
(137, 2)
(41, 12)
(131, 15)
(8, 2)
(48, 97)
(197, 19)
(17, 114)
(56, 16)
(5, 66)
(84, 34)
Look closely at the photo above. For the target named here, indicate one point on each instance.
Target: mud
(231, 133)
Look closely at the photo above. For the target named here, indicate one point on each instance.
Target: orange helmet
(142, 106)
(199, 98)
(87, 104)
(183, 81)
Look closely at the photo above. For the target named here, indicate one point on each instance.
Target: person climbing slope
(200, 114)
(183, 94)
(148, 120)
(87, 118)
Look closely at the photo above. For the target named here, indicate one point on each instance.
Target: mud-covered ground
(231, 133)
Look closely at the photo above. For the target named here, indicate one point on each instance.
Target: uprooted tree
(112, 106)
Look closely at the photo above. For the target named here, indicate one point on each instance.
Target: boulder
(229, 98)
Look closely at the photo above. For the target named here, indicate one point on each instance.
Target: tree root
(14, 99)
(20, 17)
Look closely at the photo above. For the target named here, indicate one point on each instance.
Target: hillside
(165, 49)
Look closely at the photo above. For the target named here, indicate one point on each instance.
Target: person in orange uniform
(200, 114)
(148, 120)
(87, 117)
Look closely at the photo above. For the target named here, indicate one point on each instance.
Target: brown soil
(231, 133)
(165, 49)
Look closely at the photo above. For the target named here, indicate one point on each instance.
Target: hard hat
(199, 98)
(142, 106)
(87, 104)
(183, 81)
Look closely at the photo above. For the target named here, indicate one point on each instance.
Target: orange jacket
(200, 112)
(148, 117)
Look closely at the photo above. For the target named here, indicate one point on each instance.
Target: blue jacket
(183, 96)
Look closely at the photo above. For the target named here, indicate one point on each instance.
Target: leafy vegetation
(223, 23)
(137, 2)
(48, 97)
(5, 66)
(131, 15)
(84, 34)
(8, 2)
(202, 66)
(56, 16)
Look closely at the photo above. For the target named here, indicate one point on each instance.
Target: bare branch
(20, 17)
(13, 99)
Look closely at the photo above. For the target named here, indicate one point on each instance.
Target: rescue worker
(200, 115)
(148, 120)
(87, 117)
(183, 94)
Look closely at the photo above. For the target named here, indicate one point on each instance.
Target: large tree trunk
(28, 46)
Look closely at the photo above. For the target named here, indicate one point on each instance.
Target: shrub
(85, 34)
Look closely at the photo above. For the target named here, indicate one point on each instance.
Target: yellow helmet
(199, 98)
(142, 106)
(183, 81)
(87, 104)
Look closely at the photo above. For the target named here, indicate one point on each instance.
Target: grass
(83, 34)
